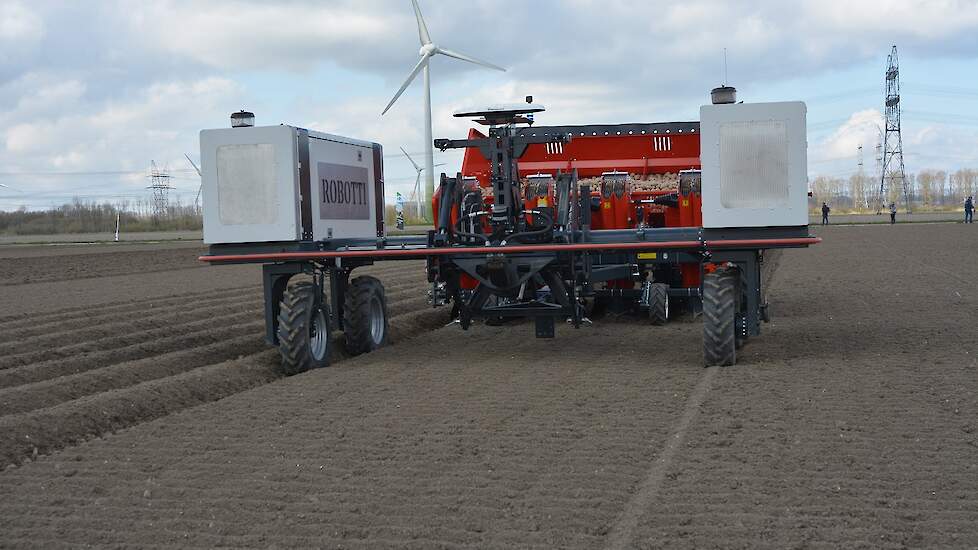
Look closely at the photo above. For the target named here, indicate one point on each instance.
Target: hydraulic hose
(457, 230)
(536, 232)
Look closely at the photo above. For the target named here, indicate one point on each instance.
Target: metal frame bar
(275, 279)
(425, 251)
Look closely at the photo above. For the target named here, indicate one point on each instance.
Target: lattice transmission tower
(160, 184)
(893, 175)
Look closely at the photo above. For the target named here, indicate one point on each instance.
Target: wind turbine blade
(470, 59)
(2, 185)
(192, 164)
(416, 167)
(422, 28)
(407, 82)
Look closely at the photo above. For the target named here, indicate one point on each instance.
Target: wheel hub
(376, 321)
(318, 334)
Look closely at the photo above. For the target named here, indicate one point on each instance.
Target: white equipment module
(286, 184)
(755, 164)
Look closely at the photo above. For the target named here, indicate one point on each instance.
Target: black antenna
(725, 66)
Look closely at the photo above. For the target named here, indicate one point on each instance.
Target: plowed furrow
(44, 430)
(178, 337)
(57, 277)
(240, 340)
(86, 312)
(98, 331)
(49, 429)
(35, 329)
(189, 336)
(75, 344)
(234, 340)
(392, 278)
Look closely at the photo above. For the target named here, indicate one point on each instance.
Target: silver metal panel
(755, 164)
(343, 191)
(249, 184)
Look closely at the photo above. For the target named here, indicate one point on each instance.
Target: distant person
(892, 213)
(825, 213)
(969, 210)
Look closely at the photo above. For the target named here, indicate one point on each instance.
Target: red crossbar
(578, 247)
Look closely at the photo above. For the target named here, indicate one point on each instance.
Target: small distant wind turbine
(417, 183)
(429, 50)
(199, 187)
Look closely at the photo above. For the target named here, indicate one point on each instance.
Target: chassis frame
(597, 255)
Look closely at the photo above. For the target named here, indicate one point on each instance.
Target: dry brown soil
(849, 423)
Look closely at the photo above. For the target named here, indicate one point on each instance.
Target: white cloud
(160, 122)
(24, 138)
(17, 23)
(862, 128)
(235, 34)
(52, 96)
(924, 18)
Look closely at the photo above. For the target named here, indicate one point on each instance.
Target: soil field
(103, 237)
(162, 421)
(884, 218)
(23, 265)
(72, 373)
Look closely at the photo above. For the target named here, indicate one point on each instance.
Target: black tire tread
(658, 302)
(719, 317)
(356, 311)
(295, 312)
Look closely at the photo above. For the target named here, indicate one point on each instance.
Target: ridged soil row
(44, 430)
(189, 336)
(43, 387)
(29, 328)
(392, 275)
(113, 335)
(56, 278)
(86, 312)
(25, 326)
(108, 352)
(236, 341)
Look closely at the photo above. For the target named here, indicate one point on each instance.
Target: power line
(929, 89)
(88, 173)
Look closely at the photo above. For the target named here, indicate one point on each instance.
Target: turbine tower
(199, 187)
(893, 175)
(417, 184)
(429, 50)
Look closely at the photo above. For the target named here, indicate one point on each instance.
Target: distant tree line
(929, 190)
(91, 217)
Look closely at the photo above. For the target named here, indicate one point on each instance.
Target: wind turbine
(199, 187)
(417, 183)
(429, 50)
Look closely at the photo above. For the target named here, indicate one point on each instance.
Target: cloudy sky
(91, 92)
